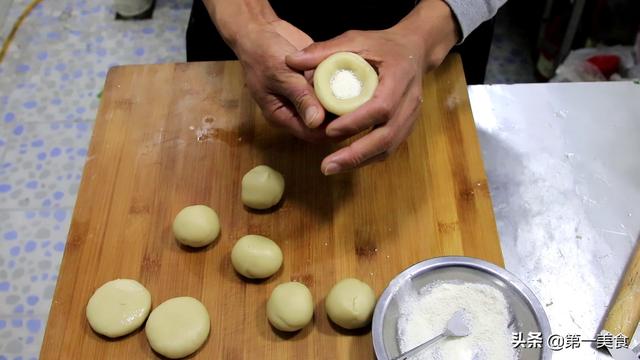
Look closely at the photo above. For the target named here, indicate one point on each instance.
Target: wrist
(434, 29)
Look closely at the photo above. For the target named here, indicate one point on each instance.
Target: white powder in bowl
(345, 84)
(424, 315)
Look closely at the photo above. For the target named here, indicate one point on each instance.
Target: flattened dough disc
(178, 327)
(118, 307)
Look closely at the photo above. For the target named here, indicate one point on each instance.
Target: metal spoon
(456, 327)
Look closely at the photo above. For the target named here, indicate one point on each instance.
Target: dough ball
(196, 226)
(178, 327)
(350, 303)
(256, 257)
(118, 307)
(262, 187)
(344, 81)
(290, 307)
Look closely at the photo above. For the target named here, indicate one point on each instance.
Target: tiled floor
(509, 60)
(49, 87)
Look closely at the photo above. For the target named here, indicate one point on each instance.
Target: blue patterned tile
(21, 337)
(3, 139)
(31, 247)
(42, 164)
(48, 101)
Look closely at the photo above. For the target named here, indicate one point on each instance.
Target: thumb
(300, 93)
(309, 57)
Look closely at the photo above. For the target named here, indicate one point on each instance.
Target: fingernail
(310, 115)
(331, 169)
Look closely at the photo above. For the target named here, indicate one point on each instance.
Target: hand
(401, 55)
(284, 95)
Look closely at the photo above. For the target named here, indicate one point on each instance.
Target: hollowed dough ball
(178, 327)
(196, 226)
(290, 307)
(344, 81)
(118, 307)
(256, 257)
(350, 303)
(262, 187)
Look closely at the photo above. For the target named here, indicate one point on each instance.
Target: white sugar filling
(424, 315)
(345, 84)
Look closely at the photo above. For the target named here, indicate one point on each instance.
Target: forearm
(232, 17)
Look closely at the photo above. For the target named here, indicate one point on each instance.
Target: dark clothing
(204, 43)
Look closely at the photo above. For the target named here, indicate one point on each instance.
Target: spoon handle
(420, 347)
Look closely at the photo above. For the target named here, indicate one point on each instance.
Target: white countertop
(563, 165)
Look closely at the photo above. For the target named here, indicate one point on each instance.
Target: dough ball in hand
(262, 187)
(256, 257)
(344, 81)
(350, 303)
(196, 226)
(178, 327)
(118, 307)
(290, 307)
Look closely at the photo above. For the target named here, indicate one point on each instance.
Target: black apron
(332, 18)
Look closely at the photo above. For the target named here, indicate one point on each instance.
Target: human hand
(401, 55)
(285, 96)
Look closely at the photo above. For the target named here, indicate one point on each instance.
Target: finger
(299, 92)
(378, 143)
(309, 57)
(277, 112)
(378, 158)
(309, 76)
(378, 110)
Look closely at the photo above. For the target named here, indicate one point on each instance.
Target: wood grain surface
(172, 135)
(624, 311)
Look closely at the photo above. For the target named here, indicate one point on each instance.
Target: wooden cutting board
(172, 135)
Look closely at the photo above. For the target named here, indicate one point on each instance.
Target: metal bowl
(526, 312)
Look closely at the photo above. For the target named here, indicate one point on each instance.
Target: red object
(607, 64)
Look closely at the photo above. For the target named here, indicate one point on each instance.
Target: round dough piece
(262, 187)
(196, 226)
(118, 307)
(350, 303)
(256, 257)
(178, 327)
(344, 81)
(290, 307)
